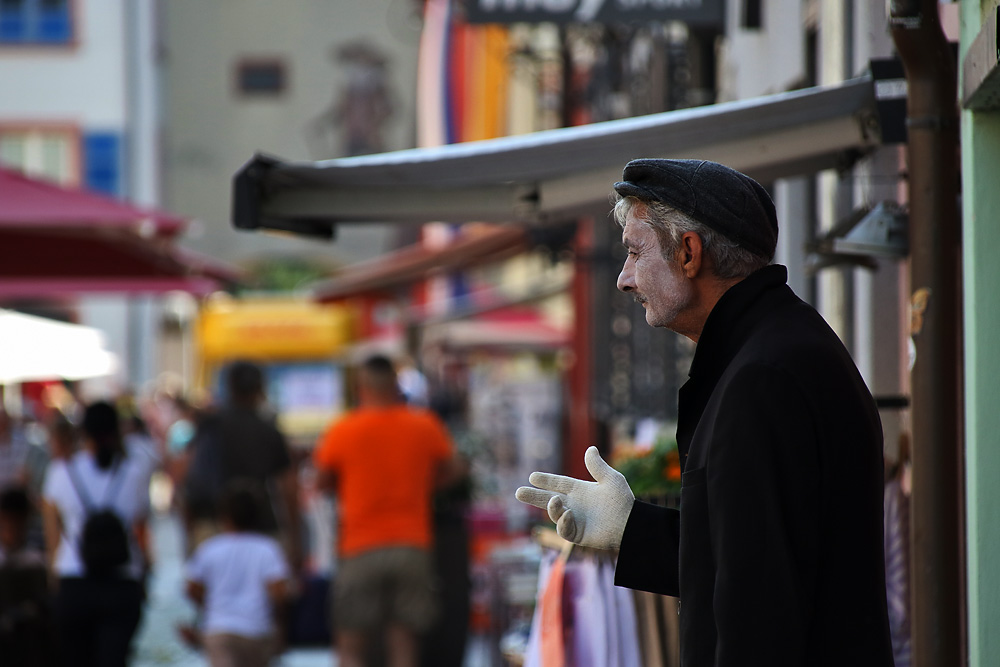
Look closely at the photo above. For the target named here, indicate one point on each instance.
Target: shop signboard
(307, 396)
(267, 330)
(699, 13)
(298, 344)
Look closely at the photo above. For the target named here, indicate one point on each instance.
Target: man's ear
(691, 255)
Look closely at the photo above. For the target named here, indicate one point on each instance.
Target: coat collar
(716, 344)
(724, 332)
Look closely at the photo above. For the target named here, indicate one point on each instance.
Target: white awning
(556, 174)
(37, 348)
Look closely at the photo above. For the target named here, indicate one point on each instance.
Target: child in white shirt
(240, 577)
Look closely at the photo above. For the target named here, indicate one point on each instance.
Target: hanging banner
(699, 13)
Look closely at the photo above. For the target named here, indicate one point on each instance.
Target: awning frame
(559, 174)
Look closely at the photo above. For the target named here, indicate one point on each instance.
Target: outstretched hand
(591, 514)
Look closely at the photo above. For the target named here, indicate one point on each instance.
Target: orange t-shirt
(384, 460)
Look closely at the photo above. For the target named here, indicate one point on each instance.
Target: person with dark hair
(25, 635)
(240, 580)
(62, 437)
(383, 461)
(776, 551)
(245, 382)
(240, 442)
(15, 513)
(99, 598)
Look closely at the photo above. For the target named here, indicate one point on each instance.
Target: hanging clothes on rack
(582, 619)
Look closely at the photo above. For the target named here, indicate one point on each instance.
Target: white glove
(591, 514)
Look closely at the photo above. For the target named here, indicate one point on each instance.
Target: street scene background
(189, 184)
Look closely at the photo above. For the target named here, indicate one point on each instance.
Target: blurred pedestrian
(62, 437)
(54, 440)
(14, 451)
(240, 579)
(178, 435)
(15, 514)
(95, 505)
(239, 442)
(776, 551)
(139, 441)
(25, 630)
(383, 460)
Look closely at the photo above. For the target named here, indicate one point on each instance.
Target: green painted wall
(981, 243)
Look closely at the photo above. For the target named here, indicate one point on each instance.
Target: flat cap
(731, 203)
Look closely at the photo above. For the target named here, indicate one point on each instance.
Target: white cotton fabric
(621, 606)
(591, 514)
(235, 569)
(130, 503)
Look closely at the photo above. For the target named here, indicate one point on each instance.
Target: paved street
(158, 644)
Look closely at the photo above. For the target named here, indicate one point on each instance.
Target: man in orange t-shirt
(384, 460)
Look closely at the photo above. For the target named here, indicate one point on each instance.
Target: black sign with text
(700, 13)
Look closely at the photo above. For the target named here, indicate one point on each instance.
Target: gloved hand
(591, 514)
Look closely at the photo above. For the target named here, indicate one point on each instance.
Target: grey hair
(728, 259)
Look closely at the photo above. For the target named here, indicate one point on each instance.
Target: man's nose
(626, 282)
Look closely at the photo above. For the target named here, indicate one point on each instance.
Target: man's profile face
(653, 280)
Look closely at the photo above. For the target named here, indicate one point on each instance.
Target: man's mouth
(639, 299)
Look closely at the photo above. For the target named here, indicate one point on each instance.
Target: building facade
(80, 108)
(776, 46)
(305, 81)
(980, 137)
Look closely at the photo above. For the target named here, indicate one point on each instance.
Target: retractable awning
(556, 174)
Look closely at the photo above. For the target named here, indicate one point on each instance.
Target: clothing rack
(656, 615)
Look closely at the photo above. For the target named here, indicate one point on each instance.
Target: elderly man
(776, 552)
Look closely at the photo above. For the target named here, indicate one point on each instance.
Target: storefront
(298, 343)
(546, 179)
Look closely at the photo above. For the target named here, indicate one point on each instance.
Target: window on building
(753, 14)
(35, 22)
(260, 77)
(49, 153)
(102, 163)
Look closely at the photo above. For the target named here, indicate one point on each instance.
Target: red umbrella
(58, 240)
(26, 201)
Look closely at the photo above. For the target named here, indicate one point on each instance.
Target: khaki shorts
(226, 650)
(391, 585)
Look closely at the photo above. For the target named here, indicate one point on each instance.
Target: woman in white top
(97, 611)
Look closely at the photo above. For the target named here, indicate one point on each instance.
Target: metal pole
(932, 162)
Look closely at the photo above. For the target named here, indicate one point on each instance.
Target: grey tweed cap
(727, 201)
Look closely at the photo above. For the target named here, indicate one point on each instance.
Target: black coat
(776, 553)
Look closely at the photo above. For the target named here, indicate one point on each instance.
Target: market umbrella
(57, 240)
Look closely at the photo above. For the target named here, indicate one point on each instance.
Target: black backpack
(104, 543)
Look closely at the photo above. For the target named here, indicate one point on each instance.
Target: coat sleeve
(763, 492)
(647, 560)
